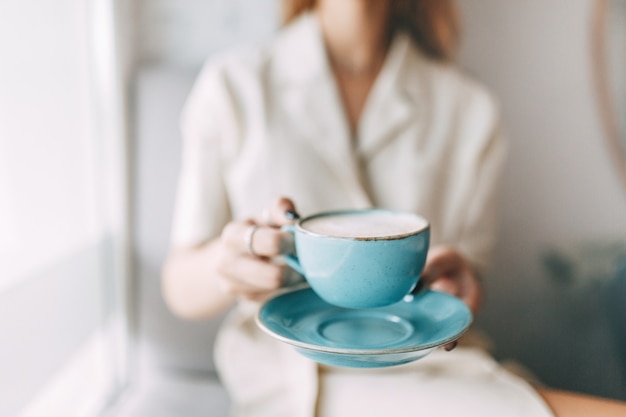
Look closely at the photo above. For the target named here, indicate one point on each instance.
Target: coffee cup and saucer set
(359, 308)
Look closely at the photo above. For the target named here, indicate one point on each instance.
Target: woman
(353, 105)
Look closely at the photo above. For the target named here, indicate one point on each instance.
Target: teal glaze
(359, 273)
(364, 338)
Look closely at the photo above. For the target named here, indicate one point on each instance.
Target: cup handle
(291, 260)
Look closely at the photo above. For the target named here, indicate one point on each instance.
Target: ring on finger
(248, 239)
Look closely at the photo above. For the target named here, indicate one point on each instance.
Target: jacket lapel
(311, 101)
(394, 100)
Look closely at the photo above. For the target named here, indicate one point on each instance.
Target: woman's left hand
(448, 271)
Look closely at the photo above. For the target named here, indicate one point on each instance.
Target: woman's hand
(203, 281)
(246, 248)
(448, 271)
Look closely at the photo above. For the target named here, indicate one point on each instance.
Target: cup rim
(298, 224)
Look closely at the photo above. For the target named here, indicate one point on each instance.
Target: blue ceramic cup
(360, 258)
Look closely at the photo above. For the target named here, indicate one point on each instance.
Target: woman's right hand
(252, 273)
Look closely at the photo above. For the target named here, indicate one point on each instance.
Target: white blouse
(269, 122)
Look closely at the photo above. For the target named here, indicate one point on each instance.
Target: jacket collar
(302, 74)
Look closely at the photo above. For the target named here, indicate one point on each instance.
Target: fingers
(447, 271)
(441, 261)
(266, 241)
(450, 346)
(282, 211)
(245, 265)
(447, 284)
(244, 274)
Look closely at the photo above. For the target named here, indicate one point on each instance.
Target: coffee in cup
(361, 258)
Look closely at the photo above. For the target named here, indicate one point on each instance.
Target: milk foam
(365, 225)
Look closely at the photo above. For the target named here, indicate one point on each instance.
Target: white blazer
(269, 122)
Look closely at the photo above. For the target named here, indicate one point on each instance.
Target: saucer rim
(373, 352)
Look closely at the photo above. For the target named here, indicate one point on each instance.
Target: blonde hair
(433, 24)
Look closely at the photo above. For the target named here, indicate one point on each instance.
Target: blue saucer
(364, 338)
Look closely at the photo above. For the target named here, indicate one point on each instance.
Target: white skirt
(465, 382)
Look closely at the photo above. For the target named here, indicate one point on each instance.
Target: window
(63, 209)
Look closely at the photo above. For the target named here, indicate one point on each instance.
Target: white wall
(560, 189)
(560, 186)
(186, 32)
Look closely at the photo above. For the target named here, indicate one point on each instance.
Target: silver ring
(248, 239)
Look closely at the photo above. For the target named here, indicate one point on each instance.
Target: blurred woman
(354, 104)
